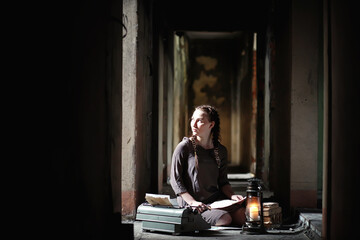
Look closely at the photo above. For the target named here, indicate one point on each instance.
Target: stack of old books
(272, 214)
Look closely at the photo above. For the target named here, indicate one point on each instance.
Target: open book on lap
(221, 204)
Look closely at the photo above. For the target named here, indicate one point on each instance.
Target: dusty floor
(297, 232)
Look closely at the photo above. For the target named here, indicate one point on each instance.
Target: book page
(225, 203)
(158, 199)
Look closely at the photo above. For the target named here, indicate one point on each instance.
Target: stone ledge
(312, 222)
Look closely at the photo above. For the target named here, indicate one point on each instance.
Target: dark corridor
(73, 101)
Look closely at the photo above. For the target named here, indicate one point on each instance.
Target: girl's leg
(224, 220)
(238, 217)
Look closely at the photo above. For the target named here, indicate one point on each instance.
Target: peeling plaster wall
(145, 164)
(129, 129)
(304, 102)
(137, 106)
(211, 72)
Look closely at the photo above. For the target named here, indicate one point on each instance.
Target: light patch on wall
(201, 96)
(208, 62)
(198, 86)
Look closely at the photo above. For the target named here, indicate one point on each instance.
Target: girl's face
(200, 124)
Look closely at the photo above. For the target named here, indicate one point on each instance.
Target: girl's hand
(201, 207)
(236, 197)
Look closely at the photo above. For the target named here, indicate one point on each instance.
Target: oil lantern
(254, 223)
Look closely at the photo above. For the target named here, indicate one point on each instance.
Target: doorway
(216, 68)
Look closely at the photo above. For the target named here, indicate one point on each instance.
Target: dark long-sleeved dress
(203, 184)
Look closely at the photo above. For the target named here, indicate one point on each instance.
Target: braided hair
(215, 132)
